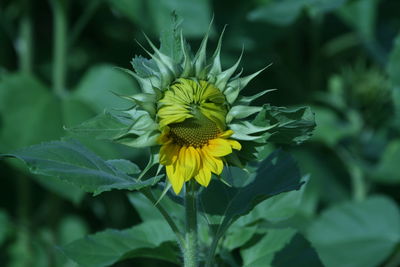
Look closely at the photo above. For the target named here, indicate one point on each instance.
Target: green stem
(25, 41)
(24, 50)
(82, 21)
(358, 183)
(149, 195)
(212, 250)
(191, 247)
(59, 46)
(24, 236)
(214, 245)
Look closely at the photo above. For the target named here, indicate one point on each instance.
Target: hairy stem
(191, 246)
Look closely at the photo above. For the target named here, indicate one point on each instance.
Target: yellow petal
(204, 176)
(188, 162)
(164, 137)
(169, 153)
(215, 165)
(218, 147)
(175, 179)
(173, 119)
(226, 134)
(235, 144)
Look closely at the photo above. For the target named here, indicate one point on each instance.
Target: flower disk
(193, 132)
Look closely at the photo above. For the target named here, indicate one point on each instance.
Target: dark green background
(313, 45)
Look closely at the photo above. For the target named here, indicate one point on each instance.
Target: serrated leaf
(124, 166)
(104, 126)
(71, 162)
(144, 67)
(276, 174)
(152, 239)
(33, 116)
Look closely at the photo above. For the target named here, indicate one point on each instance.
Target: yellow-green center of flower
(193, 132)
(194, 111)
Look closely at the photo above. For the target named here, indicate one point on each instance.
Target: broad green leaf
(99, 85)
(273, 211)
(323, 175)
(356, 234)
(124, 166)
(236, 237)
(104, 126)
(30, 116)
(276, 174)
(279, 207)
(387, 170)
(152, 239)
(297, 253)
(29, 113)
(76, 112)
(262, 253)
(292, 125)
(71, 162)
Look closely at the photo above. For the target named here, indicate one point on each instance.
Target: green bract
(173, 61)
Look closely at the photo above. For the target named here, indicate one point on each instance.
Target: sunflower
(191, 109)
(194, 137)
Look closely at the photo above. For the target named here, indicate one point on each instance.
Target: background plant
(315, 46)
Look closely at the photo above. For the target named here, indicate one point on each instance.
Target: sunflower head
(191, 109)
(367, 90)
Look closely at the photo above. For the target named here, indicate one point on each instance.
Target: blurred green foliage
(341, 57)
